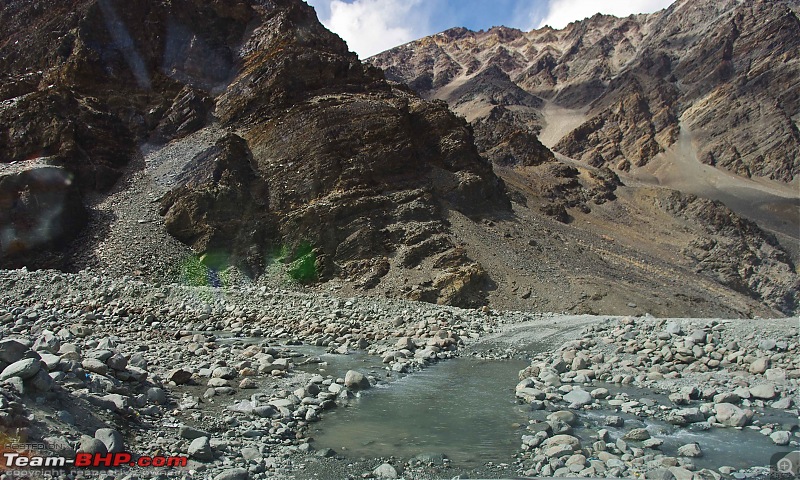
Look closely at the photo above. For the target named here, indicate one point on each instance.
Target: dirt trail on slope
(559, 121)
(773, 205)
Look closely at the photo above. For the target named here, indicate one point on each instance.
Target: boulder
(179, 376)
(685, 416)
(91, 445)
(95, 366)
(637, 434)
(356, 380)
(765, 391)
(23, 369)
(573, 442)
(780, 437)
(233, 474)
(111, 438)
(12, 350)
(41, 208)
(691, 450)
(157, 395)
(530, 394)
(385, 471)
(727, 397)
(200, 449)
(731, 415)
(759, 365)
(564, 416)
(42, 381)
(673, 328)
(190, 433)
(680, 473)
(578, 397)
(117, 362)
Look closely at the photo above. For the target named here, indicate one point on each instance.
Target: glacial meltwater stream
(463, 408)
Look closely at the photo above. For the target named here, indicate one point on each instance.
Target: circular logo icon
(785, 466)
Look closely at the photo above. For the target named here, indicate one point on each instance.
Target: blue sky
(372, 26)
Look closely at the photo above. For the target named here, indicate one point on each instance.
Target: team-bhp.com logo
(15, 460)
(29, 460)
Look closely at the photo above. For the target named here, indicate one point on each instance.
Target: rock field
(94, 364)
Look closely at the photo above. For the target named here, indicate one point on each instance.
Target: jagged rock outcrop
(555, 188)
(85, 82)
(725, 70)
(328, 156)
(64, 128)
(637, 122)
(221, 206)
(736, 252)
(357, 169)
(508, 138)
(39, 207)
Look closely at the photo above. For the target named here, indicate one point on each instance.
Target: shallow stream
(465, 409)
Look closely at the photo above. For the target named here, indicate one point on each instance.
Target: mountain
(232, 141)
(314, 148)
(701, 97)
(626, 87)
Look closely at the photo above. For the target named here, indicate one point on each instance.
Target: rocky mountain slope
(726, 69)
(215, 142)
(640, 102)
(320, 150)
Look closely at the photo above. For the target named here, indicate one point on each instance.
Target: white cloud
(562, 12)
(372, 26)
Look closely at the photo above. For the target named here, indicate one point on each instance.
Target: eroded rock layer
(727, 70)
(323, 155)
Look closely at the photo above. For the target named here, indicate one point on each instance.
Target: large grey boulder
(356, 380)
(578, 397)
(111, 438)
(23, 369)
(12, 350)
(385, 471)
(731, 415)
(200, 449)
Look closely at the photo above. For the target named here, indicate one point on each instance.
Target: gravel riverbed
(104, 364)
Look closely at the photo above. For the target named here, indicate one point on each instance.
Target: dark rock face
(76, 132)
(336, 159)
(373, 183)
(40, 207)
(190, 110)
(329, 155)
(507, 137)
(736, 252)
(719, 68)
(84, 81)
(221, 207)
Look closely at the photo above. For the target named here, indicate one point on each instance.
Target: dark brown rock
(77, 132)
(40, 209)
(84, 82)
(736, 252)
(190, 110)
(221, 207)
(347, 175)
